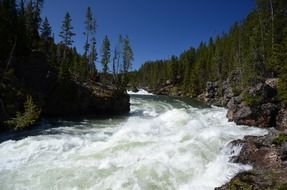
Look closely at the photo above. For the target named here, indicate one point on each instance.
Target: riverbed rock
(135, 89)
(268, 161)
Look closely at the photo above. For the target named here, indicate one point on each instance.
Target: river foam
(140, 92)
(161, 145)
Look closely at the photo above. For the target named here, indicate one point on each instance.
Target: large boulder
(265, 92)
(255, 106)
(261, 116)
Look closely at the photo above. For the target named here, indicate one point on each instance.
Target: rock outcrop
(56, 97)
(81, 99)
(220, 93)
(256, 106)
(268, 156)
(169, 90)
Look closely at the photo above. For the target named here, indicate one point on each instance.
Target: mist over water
(165, 143)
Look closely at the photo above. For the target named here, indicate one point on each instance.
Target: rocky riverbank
(255, 106)
(268, 156)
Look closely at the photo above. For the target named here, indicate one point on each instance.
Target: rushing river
(163, 144)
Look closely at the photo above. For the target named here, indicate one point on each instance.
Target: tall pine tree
(66, 33)
(106, 54)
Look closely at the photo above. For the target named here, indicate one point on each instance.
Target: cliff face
(55, 97)
(254, 106)
(71, 98)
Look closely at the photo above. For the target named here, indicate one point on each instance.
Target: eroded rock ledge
(268, 156)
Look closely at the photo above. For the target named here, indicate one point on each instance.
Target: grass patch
(238, 184)
(252, 100)
(280, 139)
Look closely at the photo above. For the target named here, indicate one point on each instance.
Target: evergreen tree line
(23, 31)
(253, 50)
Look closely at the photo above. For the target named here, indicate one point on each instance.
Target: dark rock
(74, 99)
(257, 180)
(234, 102)
(210, 90)
(241, 114)
(283, 152)
(267, 117)
(281, 120)
(134, 89)
(268, 93)
(269, 169)
(263, 116)
(259, 151)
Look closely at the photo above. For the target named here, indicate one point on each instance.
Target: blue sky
(157, 29)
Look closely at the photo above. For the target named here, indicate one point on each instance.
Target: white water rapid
(164, 144)
(140, 92)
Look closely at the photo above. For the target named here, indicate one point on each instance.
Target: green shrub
(283, 187)
(280, 139)
(252, 100)
(29, 117)
(238, 184)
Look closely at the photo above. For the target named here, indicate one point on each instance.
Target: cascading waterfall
(164, 143)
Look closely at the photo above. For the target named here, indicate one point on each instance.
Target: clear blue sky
(157, 29)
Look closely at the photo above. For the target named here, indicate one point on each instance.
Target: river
(163, 144)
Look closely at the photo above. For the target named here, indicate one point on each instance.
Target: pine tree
(127, 61)
(37, 7)
(90, 51)
(88, 28)
(93, 57)
(127, 55)
(106, 54)
(66, 34)
(46, 30)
